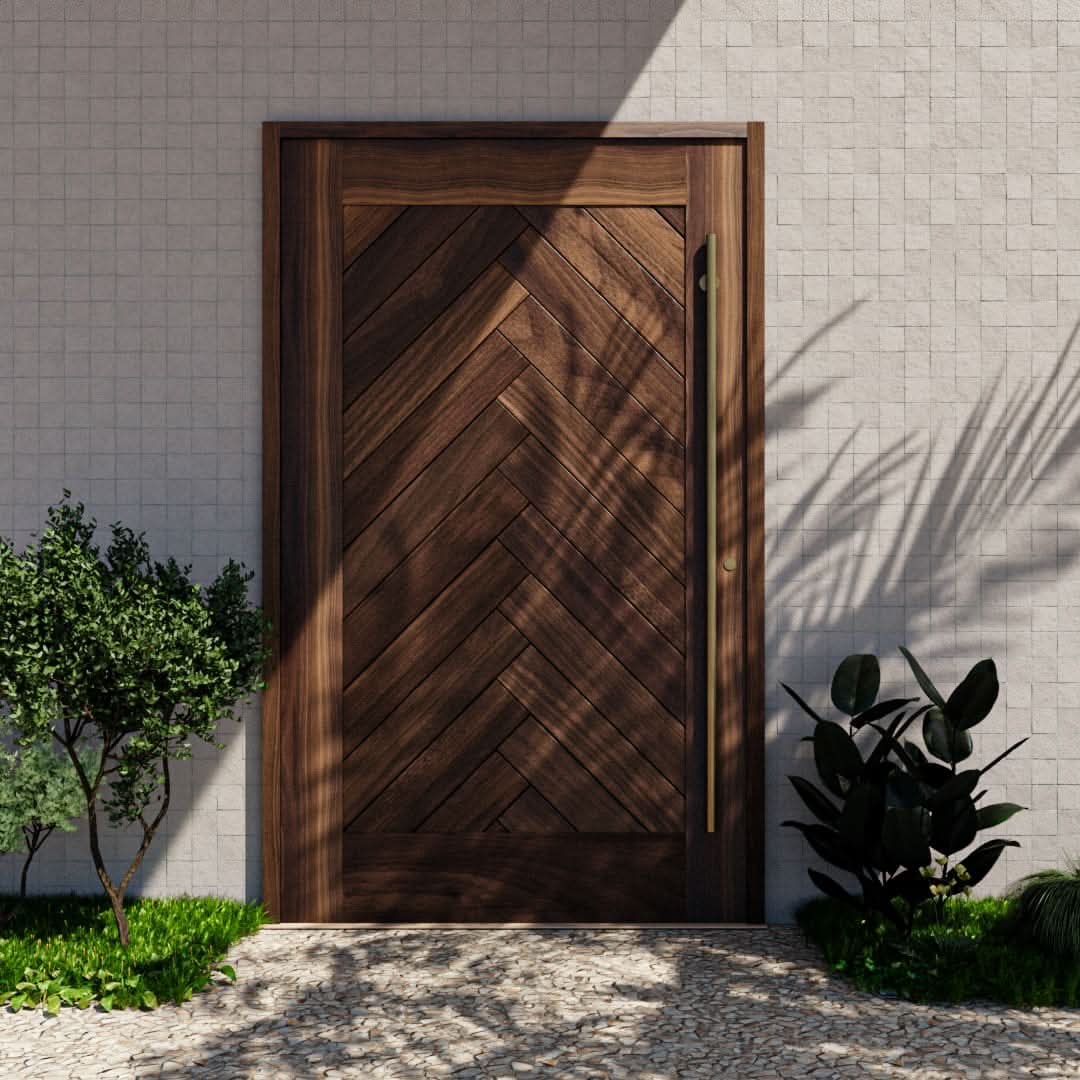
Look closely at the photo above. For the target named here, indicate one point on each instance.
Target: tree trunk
(35, 837)
(117, 900)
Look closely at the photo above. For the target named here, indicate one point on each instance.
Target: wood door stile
(484, 521)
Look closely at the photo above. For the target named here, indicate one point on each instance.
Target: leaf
(944, 740)
(818, 804)
(827, 843)
(149, 999)
(971, 702)
(1004, 754)
(830, 887)
(980, 862)
(835, 755)
(228, 971)
(928, 688)
(953, 826)
(880, 710)
(909, 885)
(17, 1002)
(996, 814)
(906, 834)
(860, 820)
(52, 1004)
(107, 1002)
(957, 787)
(856, 683)
(802, 704)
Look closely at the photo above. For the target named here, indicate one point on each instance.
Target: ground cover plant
(113, 655)
(967, 950)
(1047, 909)
(63, 950)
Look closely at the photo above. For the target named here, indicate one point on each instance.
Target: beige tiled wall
(923, 209)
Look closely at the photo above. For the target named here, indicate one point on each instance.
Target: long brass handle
(710, 531)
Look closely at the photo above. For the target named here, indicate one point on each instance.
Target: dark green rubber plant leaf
(909, 885)
(906, 834)
(996, 814)
(817, 802)
(944, 739)
(827, 843)
(830, 887)
(956, 787)
(953, 826)
(880, 710)
(836, 756)
(928, 688)
(973, 699)
(860, 820)
(856, 683)
(980, 862)
(799, 701)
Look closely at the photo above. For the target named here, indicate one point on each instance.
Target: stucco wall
(923, 208)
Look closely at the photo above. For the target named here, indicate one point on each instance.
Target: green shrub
(39, 792)
(111, 651)
(62, 950)
(887, 814)
(962, 953)
(1047, 909)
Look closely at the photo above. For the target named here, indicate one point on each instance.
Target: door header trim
(509, 129)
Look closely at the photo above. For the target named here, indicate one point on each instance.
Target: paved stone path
(641, 1004)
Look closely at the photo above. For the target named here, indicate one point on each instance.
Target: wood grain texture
(514, 172)
(430, 639)
(430, 359)
(651, 239)
(445, 414)
(598, 396)
(496, 877)
(597, 464)
(620, 278)
(570, 648)
(387, 541)
(363, 224)
(310, 530)
(271, 515)
(517, 129)
(617, 553)
(478, 801)
(597, 743)
(530, 812)
(598, 327)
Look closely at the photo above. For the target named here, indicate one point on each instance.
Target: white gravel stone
(581, 1004)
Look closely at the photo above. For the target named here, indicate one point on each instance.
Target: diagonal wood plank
(532, 813)
(645, 443)
(637, 296)
(426, 432)
(479, 800)
(597, 464)
(612, 689)
(450, 548)
(675, 216)
(428, 499)
(363, 224)
(564, 781)
(374, 415)
(598, 606)
(455, 751)
(393, 257)
(595, 742)
(427, 292)
(598, 326)
(445, 691)
(650, 238)
(430, 638)
(617, 553)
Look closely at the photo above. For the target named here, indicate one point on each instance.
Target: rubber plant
(118, 654)
(895, 815)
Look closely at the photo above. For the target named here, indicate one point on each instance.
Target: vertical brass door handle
(710, 532)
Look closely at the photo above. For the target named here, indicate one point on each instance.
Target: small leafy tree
(125, 655)
(889, 815)
(39, 792)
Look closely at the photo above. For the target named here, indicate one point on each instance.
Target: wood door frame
(300, 790)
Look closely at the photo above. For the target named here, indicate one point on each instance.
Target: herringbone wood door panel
(513, 562)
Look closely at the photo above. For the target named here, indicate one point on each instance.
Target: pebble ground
(640, 1004)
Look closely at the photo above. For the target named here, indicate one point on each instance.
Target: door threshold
(511, 926)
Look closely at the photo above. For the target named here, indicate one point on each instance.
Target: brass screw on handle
(729, 564)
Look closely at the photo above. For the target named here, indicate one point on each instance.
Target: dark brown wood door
(513, 562)
(495, 643)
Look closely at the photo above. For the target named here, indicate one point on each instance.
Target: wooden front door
(488, 522)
